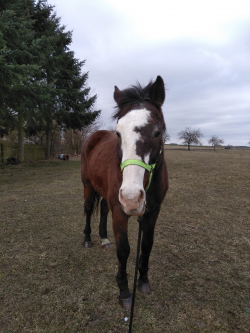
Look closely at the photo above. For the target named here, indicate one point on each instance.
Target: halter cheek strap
(149, 168)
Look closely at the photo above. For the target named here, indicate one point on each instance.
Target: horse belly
(97, 177)
(100, 164)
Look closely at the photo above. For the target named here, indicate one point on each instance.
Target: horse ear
(118, 95)
(157, 91)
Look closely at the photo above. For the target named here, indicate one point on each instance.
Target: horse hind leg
(103, 225)
(90, 195)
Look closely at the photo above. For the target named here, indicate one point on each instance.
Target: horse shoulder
(158, 187)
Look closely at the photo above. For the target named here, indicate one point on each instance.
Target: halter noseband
(146, 166)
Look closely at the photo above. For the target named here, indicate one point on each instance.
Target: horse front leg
(120, 227)
(148, 226)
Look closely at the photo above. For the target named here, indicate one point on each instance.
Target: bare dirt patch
(199, 266)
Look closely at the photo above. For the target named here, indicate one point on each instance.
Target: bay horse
(119, 166)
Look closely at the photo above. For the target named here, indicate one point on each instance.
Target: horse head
(140, 127)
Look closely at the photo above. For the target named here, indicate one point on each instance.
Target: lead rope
(137, 263)
(136, 272)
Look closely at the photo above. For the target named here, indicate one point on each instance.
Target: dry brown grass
(199, 266)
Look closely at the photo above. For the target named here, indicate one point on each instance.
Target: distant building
(28, 141)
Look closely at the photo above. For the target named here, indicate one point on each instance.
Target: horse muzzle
(133, 203)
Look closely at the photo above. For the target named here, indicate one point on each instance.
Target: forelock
(134, 95)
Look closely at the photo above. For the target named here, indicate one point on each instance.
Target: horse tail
(96, 202)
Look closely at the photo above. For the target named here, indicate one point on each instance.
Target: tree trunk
(214, 148)
(73, 141)
(188, 146)
(78, 143)
(20, 137)
(48, 134)
(51, 142)
(2, 152)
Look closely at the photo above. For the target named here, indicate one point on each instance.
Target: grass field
(199, 266)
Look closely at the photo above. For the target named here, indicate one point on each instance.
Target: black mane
(134, 95)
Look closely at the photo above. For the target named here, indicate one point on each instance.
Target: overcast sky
(200, 48)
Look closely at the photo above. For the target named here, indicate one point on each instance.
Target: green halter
(149, 168)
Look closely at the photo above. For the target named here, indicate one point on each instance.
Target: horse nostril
(141, 196)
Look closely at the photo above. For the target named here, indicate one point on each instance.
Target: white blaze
(133, 175)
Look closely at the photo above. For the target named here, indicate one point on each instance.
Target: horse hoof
(126, 303)
(88, 244)
(107, 246)
(143, 287)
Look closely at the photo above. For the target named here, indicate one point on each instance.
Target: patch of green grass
(199, 265)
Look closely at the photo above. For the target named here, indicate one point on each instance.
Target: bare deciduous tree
(165, 136)
(215, 141)
(190, 136)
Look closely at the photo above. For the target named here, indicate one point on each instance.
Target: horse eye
(157, 134)
(118, 134)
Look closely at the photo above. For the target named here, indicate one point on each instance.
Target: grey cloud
(208, 83)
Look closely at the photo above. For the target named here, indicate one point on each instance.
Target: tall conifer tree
(70, 104)
(20, 56)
